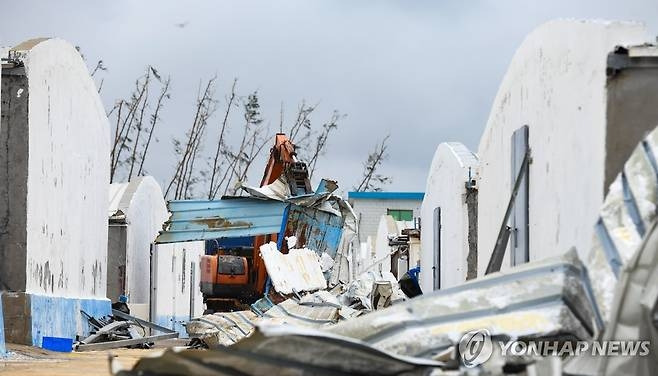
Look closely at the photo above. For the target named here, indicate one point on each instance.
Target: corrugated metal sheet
(548, 298)
(299, 270)
(227, 328)
(284, 350)
(200, 220)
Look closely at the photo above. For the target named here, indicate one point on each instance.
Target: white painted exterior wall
(555, 84)
(68, 171)
(446, 188)
(369, 212)
(143, 204)
(176, 295)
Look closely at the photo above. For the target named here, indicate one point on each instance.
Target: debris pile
(122, 330)
(551, 301)
(302, 299)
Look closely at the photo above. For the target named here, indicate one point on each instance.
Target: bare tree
(309, 141)
(214, 185)
(321, 141)
(155, 117)
(301, 130)
(125, 123)
(254, 138)
(185, 177)
(139, 126)
(372, 180)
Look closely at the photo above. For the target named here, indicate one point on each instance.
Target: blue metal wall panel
(229, 218)
(314, 229)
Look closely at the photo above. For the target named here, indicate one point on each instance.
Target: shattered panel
(297, 271)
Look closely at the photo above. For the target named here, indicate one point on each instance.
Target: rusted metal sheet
(229, 218)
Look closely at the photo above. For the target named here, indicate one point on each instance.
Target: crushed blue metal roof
(228, 218)
(418, 196)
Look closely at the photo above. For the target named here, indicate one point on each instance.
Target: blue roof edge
(386, 195)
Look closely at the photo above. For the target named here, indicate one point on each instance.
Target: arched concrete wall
(446, 188)
(142, 203)
(53, 192)
(68, 171)
(555, 84)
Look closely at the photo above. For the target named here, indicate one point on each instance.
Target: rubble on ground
(121, 330)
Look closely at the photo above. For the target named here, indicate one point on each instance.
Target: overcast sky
(422, 71)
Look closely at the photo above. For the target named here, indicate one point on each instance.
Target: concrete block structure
(136, 214)
(371, 206)
(54, 169)
(579, 103)
(176, 294)
(449, 218)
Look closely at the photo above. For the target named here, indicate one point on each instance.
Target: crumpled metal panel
(227, 328)
(298, 270)
(284, 350)
(228, 218)
(315, 229)
(545, 298)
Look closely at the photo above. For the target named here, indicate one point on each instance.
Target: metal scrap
(120, 330)
(284, 350)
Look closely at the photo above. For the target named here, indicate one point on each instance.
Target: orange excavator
(232, 272)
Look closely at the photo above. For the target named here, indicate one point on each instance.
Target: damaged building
(550, 229)
(547, 233)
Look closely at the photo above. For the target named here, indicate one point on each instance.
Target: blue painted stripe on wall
(418, 196)
(55, 316)
(173, 323)
(3, 349)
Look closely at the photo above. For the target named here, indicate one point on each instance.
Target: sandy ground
(26, 360)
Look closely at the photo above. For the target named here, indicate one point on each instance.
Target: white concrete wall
(176, 296)
(68, 171)
(555, 84)
(446, 189)
(145, 210)
(370, 211)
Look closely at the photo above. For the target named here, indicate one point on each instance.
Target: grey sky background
(422, 71)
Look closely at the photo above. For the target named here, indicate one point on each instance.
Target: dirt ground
(26, 360)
